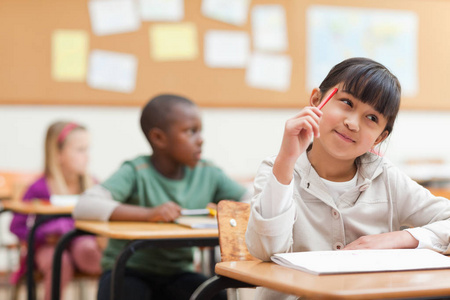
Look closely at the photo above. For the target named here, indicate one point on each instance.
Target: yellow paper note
(173, 42)
(69, 55)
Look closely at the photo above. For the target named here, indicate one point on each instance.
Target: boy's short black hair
(156, 113)
(370, 82)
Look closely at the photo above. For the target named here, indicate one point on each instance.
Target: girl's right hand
(297, 136)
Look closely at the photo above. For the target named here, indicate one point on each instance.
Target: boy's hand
(390, 240)
(211, 205)
(297, 136)
(166, 212)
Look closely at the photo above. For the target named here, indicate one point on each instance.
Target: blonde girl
(65, 173)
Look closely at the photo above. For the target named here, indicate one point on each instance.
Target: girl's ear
(59, 158)
(157, 137)
(314, 100)
(381, 137)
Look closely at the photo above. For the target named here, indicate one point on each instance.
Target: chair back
(232, 218)
(14, 184)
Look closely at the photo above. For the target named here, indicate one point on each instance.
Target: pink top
(21, 224)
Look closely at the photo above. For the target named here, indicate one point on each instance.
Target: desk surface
(442, 192)
(35, 207)
(344, 286)
(143, 230)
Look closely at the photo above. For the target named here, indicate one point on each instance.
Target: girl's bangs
(375, 88)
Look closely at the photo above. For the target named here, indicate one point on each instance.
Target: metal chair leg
(212, 286)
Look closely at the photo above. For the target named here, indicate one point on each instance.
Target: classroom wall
(235, 139)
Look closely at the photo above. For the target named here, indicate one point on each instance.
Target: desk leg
(31, 289)
(215, 284)
(118, 270)
(57, 257)
(212, 261)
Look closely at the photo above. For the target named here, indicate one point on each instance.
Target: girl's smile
(345, 137)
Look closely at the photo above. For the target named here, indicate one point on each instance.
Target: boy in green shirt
(154, 189)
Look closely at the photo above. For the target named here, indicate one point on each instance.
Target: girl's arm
(426, 216)
(272, 215)
(390, 240)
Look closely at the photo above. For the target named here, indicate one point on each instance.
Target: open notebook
(358, 261)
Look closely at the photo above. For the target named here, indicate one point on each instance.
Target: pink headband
(65, 131)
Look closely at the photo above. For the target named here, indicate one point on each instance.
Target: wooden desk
(441, 192)
(35, 207)
(142, 230)
(408, 284)
(44, 212)
(141, 235)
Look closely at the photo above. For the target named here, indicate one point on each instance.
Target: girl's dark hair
(370, 82)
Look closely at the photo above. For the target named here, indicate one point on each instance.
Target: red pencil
(328, 99)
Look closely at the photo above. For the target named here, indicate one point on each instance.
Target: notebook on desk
(197, 222)
(361, 261)
(64, 200)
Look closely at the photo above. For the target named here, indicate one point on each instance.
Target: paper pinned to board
(229, 11)
(269, 71)
(172, 42)
(112, 71)
(226, 49)
(113, 16)
(69, 55)
(162, 10)
(269, 28)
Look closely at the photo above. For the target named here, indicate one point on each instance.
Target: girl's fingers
(313, 111)
(308, 123)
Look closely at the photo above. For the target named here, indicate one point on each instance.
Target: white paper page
(229, 11)
(197, 222)
(269, 71)
(226, 49)
(194, 212)
(64, 200)
(113, 16)
(269, 28)
(112, 71)
(355, 261)
(162, 10)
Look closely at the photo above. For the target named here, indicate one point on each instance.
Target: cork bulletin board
(26, 28)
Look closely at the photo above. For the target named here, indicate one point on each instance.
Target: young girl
(66, 159)
(336, 193)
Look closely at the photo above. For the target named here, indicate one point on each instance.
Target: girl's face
(349, 127)
(74, 156)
